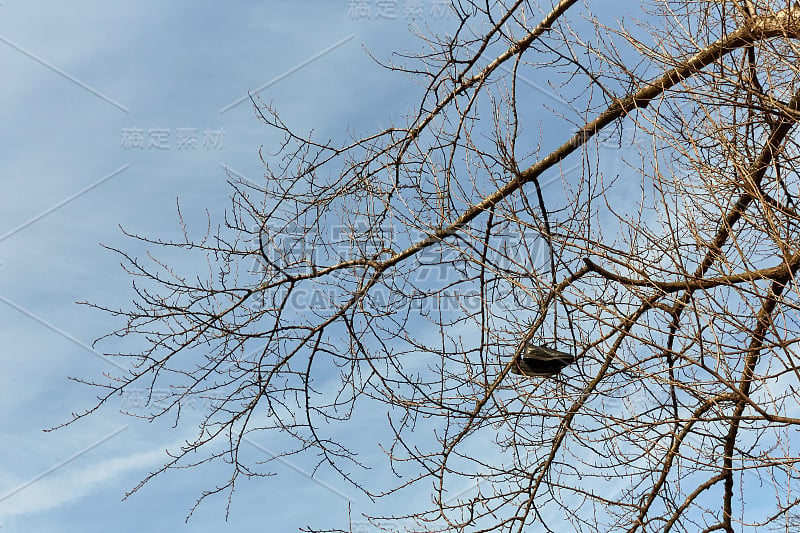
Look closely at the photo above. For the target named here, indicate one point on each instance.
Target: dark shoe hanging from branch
(541, 361)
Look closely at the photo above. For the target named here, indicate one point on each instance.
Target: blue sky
(81, 82)
(81, 79)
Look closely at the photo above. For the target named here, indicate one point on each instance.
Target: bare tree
(414, 267)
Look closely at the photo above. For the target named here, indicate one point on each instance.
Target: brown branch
(763, 322)
(693, 284)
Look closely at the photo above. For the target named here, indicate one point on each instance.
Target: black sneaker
(541, 361)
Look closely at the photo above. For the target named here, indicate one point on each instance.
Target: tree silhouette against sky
(400, 274)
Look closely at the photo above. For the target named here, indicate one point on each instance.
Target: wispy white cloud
(57, 487)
